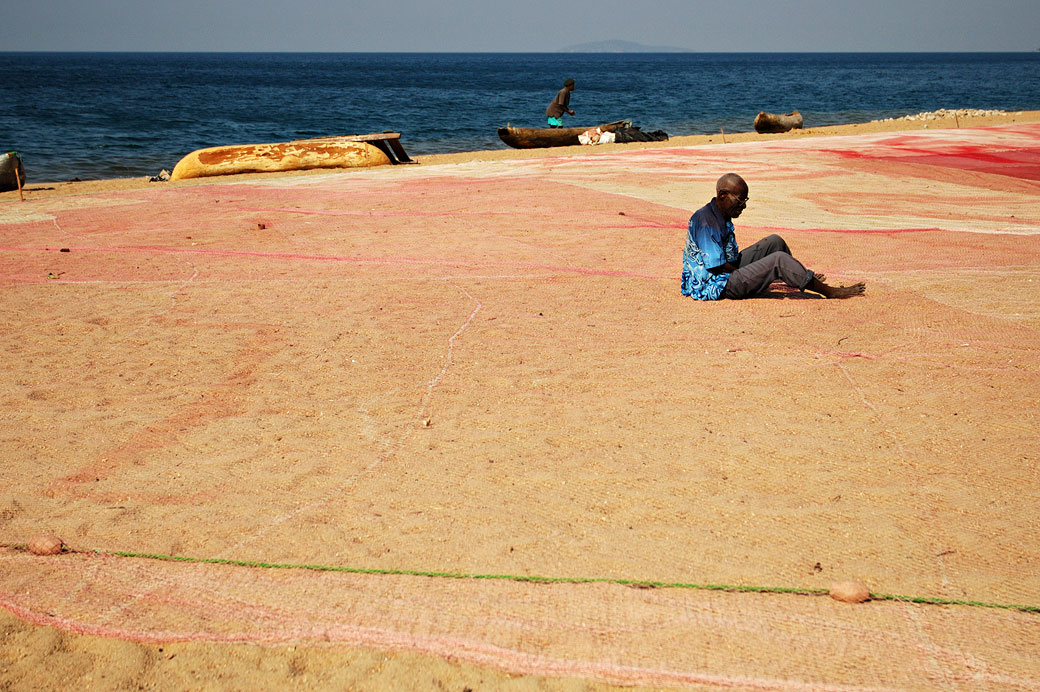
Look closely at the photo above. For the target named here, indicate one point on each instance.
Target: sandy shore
(36, 189)
(478, 368)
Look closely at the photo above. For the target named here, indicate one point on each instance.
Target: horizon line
(524, 52)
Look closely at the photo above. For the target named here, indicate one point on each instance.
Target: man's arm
(709, 241)
(730, 254)
(729, 265)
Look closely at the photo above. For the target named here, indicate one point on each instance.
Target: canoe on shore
(12, 172)
(349, 151)
(539, 137)
(777, 122)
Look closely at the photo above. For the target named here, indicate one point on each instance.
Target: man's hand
(726, 268)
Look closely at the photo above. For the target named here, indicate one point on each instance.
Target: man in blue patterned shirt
(714, 267)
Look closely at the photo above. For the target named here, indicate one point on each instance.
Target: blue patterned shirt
(709, 243)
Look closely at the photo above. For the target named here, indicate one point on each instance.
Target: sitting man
(714, 268)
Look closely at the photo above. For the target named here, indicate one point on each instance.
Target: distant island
(618, 46)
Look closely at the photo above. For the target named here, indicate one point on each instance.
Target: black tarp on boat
(633, 134)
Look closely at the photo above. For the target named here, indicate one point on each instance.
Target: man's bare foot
(846, 291)
(817, 286)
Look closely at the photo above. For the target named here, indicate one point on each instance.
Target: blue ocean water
(107, 115)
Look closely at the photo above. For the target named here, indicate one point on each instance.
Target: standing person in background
(561, 104)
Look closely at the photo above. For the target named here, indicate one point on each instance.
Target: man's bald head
(731, 182)
(731, 195)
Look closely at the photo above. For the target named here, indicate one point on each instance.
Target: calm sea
(107, 115)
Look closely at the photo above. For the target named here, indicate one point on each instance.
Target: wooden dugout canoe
(350, 151)
(776, 122)
(540, 137)
(12, 172)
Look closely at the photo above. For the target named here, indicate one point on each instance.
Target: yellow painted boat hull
(301, 154)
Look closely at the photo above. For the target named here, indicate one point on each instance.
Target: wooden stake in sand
(18, 179)
(723, 131)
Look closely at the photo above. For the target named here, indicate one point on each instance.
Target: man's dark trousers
(761, 264)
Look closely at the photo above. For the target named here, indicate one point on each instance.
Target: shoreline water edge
(117, 115)
(941, 119)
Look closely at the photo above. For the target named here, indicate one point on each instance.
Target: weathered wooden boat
(348, 151)
(540, 137)
(777, 122)
(12, 172)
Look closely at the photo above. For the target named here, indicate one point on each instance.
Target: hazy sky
(518, 25)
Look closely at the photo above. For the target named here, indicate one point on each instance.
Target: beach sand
(481, 365)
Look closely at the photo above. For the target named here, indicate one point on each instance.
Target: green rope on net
(636, 583)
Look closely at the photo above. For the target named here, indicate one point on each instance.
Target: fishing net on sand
(462, 410)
